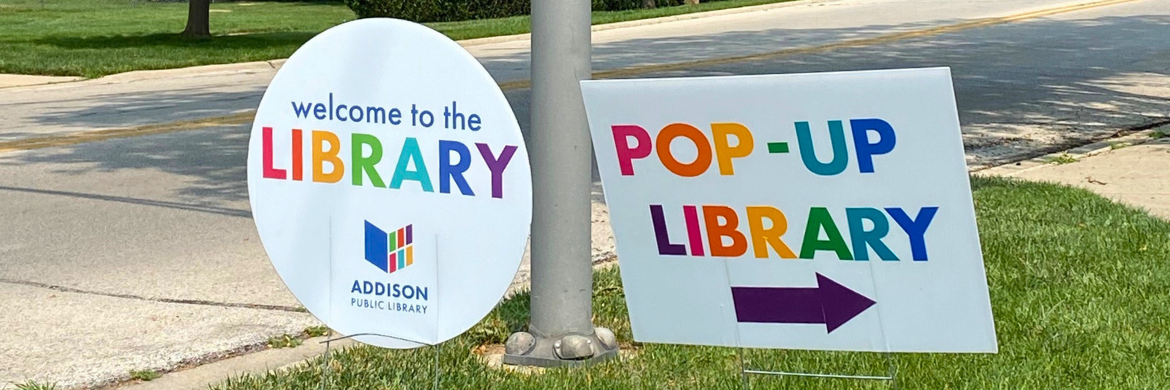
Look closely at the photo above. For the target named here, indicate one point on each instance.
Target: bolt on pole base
(526, 349)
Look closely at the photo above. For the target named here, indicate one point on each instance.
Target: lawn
(1080, 287)
(92, 38)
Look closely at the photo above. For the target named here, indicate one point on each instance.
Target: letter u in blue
(808, 154)
(377, 250)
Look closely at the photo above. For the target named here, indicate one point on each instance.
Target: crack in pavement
(197, 302)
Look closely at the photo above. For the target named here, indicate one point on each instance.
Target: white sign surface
(816, 211)
(389, 183)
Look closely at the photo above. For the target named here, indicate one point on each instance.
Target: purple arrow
(828, 303)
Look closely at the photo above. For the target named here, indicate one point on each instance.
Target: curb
(200, 377)
(140, 75)
(24, 80)
(1078, 153)
(651, 21)
(203, 70)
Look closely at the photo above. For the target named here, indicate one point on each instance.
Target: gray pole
(561, 329)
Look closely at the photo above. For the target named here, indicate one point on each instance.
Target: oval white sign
(390, 183)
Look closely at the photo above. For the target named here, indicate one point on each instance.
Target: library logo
(390, 251)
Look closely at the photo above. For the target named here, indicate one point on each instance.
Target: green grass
(1061, 159)
(97, 37)
(33, 385)
(284, 341)
(1080, 288)
(144, 375)
(316, 331)
(92, 38)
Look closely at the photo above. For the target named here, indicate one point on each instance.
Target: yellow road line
(90, 136)
(235, 119)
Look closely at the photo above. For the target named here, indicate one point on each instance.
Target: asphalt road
(140, 252)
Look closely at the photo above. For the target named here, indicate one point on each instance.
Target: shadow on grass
(512, 314)
(258, 40)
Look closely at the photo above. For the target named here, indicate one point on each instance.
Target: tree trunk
(198, 14)
(648, 4)
(692, 2)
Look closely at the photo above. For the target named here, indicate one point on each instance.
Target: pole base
(527, 349)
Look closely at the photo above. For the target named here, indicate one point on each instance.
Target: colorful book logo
(390, 252)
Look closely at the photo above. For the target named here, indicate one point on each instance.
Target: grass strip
(1080, 287)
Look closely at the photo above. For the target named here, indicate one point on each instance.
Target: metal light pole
(561, 330)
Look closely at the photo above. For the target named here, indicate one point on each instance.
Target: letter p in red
(627, 154)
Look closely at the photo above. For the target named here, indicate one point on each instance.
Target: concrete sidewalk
(1137, 175)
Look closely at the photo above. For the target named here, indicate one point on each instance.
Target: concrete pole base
(527, 349)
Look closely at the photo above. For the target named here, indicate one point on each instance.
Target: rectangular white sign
(823, 211)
